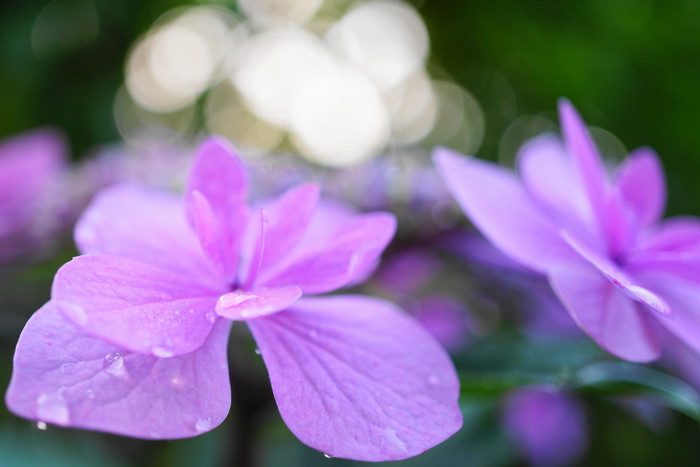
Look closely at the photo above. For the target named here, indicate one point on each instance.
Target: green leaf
(630, 379)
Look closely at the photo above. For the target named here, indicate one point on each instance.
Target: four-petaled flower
(133, 340)
(594, 233)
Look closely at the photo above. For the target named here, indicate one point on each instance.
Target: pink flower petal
(327, 262)
(607, 314)
(675, 238)
(355, 377)
(144, 225)
(135, 306)
(66, 377)
(241, 306)
(620, 225)
(618, 277)
(550, 177)
(498, 205)
(683, 294)
(640, 180)
(669, 254)
(288, 217)
(585, 157)
(219, 176)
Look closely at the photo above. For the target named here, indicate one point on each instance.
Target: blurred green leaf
(632, 379)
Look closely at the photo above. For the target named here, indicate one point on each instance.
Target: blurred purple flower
(134, 338)
(405, 276)
(31, 168)
(446, 319)
(547, 425)
(596, 236)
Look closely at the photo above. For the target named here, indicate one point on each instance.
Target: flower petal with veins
(64, 376)
(356, 377)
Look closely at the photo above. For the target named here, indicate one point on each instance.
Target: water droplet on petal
(162, 352)
(177, 381)
(391, 436)
(66, 367)
(327, 456)
(52, 408)
(74, 312)
(433, 379)
(41, 426)
(113, 364)
(210, 316)
(203, 424)
(257, 351)
(90, 394)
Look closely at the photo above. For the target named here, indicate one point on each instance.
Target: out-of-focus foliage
(630, 66)
(62, 61)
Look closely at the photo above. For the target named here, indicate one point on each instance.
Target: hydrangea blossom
(547, 424)
(594, 232)
(133, 340)
(30, 164)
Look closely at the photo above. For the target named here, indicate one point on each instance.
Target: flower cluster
(133, 340)
(625, 276)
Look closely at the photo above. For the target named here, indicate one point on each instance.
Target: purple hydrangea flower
(547, 425)
(31, 165)
(595, 234)
(134, 338)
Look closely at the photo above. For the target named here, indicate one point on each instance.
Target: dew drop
(257, 351)
(90, 394)
(177, 381)
(74, 312)
(41, 426)
(210, 316)
(203, 424)
(52, 408)
(433, 379)
(162, 352)
(391, 436)
(327, 456)
(113, 364)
